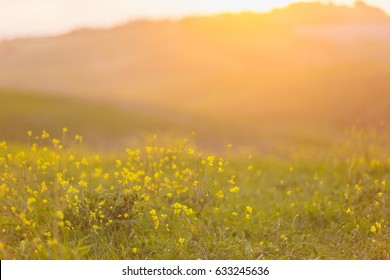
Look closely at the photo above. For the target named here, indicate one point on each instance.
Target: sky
(26, 18)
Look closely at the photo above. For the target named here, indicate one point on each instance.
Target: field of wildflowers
(61, 199)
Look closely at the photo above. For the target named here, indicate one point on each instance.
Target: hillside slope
(308, 65)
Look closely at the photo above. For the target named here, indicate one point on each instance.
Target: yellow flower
(60, 215)
(220, 194)
(210, 160)
(84, 161)
(189, 211)
(349, 211)
(358, 188)
(30, 201)
(79, 138)
(181, 240)
(380, 194)
(234, 213)
(135, 250)
(43, 187)
(34, 147)
(220, 167)
(235, 189)
(249, 209)
(283, 237)
(45, 134)
(3, 145)
(52, 242)
(68, 225)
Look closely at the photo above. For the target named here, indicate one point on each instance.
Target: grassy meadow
(245, 136)
(167, 199)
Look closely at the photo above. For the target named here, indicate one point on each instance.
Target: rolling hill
(308, 69)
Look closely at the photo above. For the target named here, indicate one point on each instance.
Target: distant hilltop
(361, 11)
(306, 13)
(303, 13)
(317, 12)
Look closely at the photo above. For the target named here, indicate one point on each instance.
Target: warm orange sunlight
(277, 71)
(48, 17)
(195, 130)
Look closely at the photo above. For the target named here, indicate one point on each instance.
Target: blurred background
(248, 74)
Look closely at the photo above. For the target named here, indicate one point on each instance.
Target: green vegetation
(60, 199)
(286, 84)
(110, 125)
(22, 111)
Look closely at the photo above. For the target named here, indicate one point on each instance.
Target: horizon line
(163, 18)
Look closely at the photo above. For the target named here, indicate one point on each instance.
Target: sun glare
(56, 16)
(208, 7)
